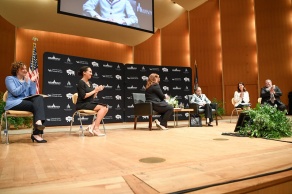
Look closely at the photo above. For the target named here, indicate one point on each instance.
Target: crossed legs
(102, 111)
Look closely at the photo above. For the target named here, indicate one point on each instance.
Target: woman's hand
(98, 88)
(34, 77)
(26, 77)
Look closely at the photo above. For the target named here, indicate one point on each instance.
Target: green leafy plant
(220, 109)
(267, 122)
(15, 121)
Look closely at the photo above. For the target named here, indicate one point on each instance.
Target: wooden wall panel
(175, 43)
(205, 46)
(148, 52)
(7, 48)
(274, 41)
(239, 51)
(69, 45)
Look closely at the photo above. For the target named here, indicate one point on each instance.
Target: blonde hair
(151, 80)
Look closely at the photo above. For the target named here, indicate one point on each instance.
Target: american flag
(33, 68)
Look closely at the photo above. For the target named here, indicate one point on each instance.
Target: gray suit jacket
(200, 99)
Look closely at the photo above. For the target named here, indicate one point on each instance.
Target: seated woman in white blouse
(241, 96)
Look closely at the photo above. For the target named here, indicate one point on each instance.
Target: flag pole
(33, 68)
(196, 76)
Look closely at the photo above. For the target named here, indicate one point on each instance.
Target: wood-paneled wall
(7, 48)
(175, 49)
(274, 42)
(239, 51)
(148, 52)
(205, 44)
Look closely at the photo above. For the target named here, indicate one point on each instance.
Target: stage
(129, 161)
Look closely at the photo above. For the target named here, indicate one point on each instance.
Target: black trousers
(280, 105)
(208, 111)
(165, 112)
(36, 106)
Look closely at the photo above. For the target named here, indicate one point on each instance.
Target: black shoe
(210, 125)
(40, 127)
(38, 141)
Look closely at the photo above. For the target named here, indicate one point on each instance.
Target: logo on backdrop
(54, 58)
(120, 82)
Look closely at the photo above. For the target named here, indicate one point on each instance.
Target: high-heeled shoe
(156, 121)
(38, 141)
(89, 129)
(161, 127)
(98, 134)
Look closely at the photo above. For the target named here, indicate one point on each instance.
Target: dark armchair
(199, 111)
(142, 108)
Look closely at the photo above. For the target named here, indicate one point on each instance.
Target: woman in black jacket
(155, 95)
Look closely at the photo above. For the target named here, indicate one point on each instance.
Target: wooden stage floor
(190, 158)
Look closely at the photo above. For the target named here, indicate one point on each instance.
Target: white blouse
(238, 100)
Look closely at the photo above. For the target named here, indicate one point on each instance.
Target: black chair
(199, 111)
(142, 108)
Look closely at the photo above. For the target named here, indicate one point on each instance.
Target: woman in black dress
(86, 95)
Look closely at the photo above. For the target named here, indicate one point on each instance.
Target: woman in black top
(155, 95)
(86, 95)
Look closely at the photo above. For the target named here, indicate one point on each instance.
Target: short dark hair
(15, 66)
(82, 69)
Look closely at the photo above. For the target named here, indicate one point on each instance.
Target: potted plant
(267, 122)
(220, 109)
(15, 121)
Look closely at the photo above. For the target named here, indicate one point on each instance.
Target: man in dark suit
(270, 94)
(155, 95)
(204, 103)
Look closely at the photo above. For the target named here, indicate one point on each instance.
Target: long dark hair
(244, 89)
